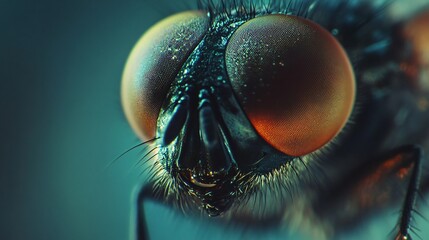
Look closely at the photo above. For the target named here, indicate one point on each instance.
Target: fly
(321, 107)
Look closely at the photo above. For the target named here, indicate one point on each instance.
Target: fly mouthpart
(201, 177)
(196, 181)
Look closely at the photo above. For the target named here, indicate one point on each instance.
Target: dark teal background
(61, 119)
(61, 124)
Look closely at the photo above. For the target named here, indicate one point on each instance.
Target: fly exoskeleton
(264, 111)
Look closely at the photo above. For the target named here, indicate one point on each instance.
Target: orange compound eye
(153, 65)
(294, 81)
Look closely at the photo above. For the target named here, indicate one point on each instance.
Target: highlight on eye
(294, 81)
(153, 65)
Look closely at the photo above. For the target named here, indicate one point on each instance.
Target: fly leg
(138, 221)
(416, 158)
(373, 187)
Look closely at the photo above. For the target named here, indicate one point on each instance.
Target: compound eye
(153, 65)
(294, 81)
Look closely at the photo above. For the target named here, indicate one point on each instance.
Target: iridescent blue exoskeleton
(312, 109)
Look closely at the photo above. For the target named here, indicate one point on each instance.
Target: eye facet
(293, 80)
(154, 63)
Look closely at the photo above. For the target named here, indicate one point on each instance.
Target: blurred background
(61, 120)
(61, 124)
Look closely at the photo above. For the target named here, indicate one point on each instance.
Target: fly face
(208, 134)
(240, 96)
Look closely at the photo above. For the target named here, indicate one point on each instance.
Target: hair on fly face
(251, 9)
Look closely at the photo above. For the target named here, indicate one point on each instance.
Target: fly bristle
(250, 9)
